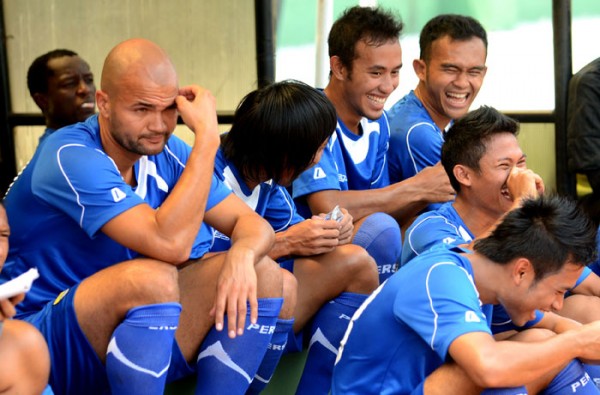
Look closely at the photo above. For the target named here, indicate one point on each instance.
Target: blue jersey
(268, 199)
(349, 162)
(402, 333)
(415, 141)
(68, 192)
(443, 225)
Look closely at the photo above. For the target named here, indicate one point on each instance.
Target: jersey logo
(117, 194)
(319, 173)
(471, 316)
(448, 240)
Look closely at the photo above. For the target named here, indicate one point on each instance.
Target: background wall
(211, 42)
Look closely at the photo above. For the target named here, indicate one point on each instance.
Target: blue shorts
(75, 367)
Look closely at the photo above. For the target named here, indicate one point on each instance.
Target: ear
(41, 100)
(338, 70)
(103, 103)
(522, 271)
(420, 68)
(463, 175)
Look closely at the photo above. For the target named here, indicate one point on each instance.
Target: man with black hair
(365, 61)
(433, 317)
(278, 132)
(62, 85)
(451, 68)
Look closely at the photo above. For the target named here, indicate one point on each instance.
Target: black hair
(466, 140)
(549, 231)
(278, 130)
(38, 73)
(375, 26)
(457, 27)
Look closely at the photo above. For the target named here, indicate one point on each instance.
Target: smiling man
(62, 85)
(433, 317)
(365, 61)
(451, 69)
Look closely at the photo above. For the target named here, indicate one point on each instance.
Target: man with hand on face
(62, 85)
(111, 210)
(365, 61)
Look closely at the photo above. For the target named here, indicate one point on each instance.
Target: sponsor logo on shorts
(60, 296)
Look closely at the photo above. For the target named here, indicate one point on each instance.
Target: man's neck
(441, 120)
(487, 276)
(345, 112)
(477, 220)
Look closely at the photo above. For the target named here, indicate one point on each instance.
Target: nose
(388, 84)
(462, 80)
(84, 88)
(558, 303)
(158, 123)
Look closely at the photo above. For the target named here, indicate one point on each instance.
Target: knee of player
(30, 349)
(152, 281)
(269, 279)
(359, 267)
(290, 294)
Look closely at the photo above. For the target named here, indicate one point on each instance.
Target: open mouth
(458, 98)
(377, 99)
(88, 106)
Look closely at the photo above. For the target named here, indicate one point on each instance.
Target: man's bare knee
(360, 269)
(270, 279)
(144, 281)
(290, 294)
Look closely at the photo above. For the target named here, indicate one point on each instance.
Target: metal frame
(265, 67)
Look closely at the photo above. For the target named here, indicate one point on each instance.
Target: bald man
(121, 278)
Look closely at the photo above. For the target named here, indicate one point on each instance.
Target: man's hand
(434, 184)
(197, 107)
(524, 183)
(347, 228)
(312, 236)
(7, 306)
(236, 288)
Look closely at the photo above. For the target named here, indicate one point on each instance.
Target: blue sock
(380, 236)
(327, 330)
(573, 379)
(228, 365)
(505, 391)
(594, 372)
(139, 352)
(272, 357)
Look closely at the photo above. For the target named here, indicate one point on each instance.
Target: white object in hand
(18, 285)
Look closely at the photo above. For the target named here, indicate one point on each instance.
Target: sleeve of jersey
(322, 176)
(281, 211)
(424, 144)
(205, 238)
(85, 184)
(501, 321)
(440, 304)
(218, 192)
(428, 230)
(584, 274)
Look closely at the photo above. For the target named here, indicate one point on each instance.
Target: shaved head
(136, 61)
(136, 100)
